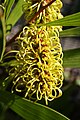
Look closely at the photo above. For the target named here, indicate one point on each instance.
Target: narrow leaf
(3, 32)
(70, 20)
(72, 58)
(73, 32)
(29, 110)
(16, 13)
(9, 7)
(32, 111)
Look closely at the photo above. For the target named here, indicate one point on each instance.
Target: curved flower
(40, 72)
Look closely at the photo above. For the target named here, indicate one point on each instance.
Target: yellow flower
(40, 72)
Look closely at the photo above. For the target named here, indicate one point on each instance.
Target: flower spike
(39, 73)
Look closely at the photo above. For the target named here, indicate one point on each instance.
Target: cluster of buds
(39, 73)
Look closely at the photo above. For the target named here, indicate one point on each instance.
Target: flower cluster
(39, 72)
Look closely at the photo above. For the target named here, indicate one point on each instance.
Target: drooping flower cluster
(39, 72)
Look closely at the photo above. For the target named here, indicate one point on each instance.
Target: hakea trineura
(39, 73)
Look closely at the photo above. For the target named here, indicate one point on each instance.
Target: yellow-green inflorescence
(39, 72)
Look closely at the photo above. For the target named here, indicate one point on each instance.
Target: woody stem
(34, 17)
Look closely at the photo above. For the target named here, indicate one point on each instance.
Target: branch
(35, 16)
(41, 10)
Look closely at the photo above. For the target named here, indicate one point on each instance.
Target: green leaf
(70, 20)
(1, 33)
(16, 13)
(72, 58)
(9, 7)
(33, 111)
(2, 37)
(29, 110)
(73, 32)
